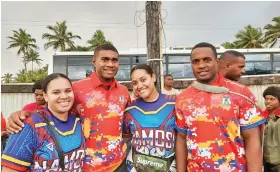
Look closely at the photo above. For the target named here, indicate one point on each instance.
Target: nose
(201, 65)
(64, 95)
(243, 71)
(139, 86)
(110, 63)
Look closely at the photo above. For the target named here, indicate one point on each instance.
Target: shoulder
(168, 98)
(81, 83)
(132, 103)
(234, 86)
(29, 106)
(34, 119)
(186, 93)
(123, 88)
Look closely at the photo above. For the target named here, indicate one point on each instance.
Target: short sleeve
(19, 151)
(181, 125)
(250, 115)
(29, 108)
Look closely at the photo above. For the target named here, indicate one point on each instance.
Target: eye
(115, 60)
(68, 91)
(134, 83)
(195, 61)
(105, 60)
(207, 60)
(55, 92)
(142, 80)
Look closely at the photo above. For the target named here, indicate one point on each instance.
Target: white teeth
(64, 103)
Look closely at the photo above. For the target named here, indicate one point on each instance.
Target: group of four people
(213, 125)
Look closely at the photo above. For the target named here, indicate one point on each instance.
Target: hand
(14, 122)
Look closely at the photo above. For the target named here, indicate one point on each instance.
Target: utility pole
(154, 39)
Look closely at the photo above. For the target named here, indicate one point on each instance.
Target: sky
(185, 23)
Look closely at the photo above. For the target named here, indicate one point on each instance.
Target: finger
(9, 131)
(12, 126)
(24, 114)
(16, 120)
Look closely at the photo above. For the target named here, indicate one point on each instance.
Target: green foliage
(272, 32)
(60, 38)
(97, 39)
(228, 45)
(26, 76)
(250, 37)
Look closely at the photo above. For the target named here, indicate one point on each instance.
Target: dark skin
(106, 63)
(232, 67)
(168, 82)
(205, 69)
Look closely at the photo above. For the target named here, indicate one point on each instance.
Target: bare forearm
(253, 153)
(254, 160)
(6, 169)
(181, 153)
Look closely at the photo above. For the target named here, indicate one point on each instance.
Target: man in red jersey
(40, 101)
(100, 101)
(219, 119)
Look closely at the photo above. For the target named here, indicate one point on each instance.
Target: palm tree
(21, 76)
(7, 78)
(78, 48)
(60, 37)
(97, 39)
(228, 45)
(23, 41)
(33, 56)
(272, 33)
(250, 37)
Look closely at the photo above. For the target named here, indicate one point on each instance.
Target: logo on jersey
(50, 146)
(121, 99)
(158, 138)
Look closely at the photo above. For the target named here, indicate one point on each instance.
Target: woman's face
(143, 83)
(59, 95)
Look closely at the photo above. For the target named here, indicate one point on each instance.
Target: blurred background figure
(168, 86)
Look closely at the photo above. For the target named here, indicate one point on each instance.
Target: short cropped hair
(205, 45)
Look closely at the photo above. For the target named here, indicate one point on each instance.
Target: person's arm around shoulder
(15, 121)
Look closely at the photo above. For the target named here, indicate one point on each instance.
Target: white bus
(175, 62)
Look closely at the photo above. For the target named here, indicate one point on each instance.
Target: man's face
(236, 69)
(271, 102)
(204, 64)
(39, 97)
(168, 81)
(106, 63)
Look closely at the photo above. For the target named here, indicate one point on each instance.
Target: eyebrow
(110, 57)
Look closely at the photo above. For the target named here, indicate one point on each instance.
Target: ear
(93, 61)
(227, 64)
(154, 79)
(45, 96)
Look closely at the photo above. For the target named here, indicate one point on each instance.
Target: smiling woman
(43, 144)
(150, 121)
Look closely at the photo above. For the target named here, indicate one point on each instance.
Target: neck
(272, 112)
(61, 116)
(153, 97)
(105, 80)
(209, 82)
(167, 88)
(44, 105)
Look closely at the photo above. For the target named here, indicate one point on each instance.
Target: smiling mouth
(64, 104)
(203, 73)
